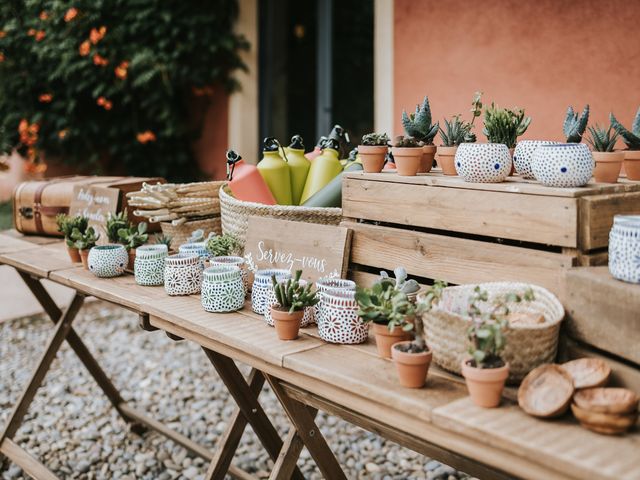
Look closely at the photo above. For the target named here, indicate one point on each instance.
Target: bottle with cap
(324, 168)
(275, 171)
(317, 151)
(245, 182)
(331, 194)
(299, 167)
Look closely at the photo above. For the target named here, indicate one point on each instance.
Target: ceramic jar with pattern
(523, 154)
(340, 322)
(309, 312)
(483, 162)
(222, 289)
(262, 285)
(197, 248)
(564, 165)
(108, 260)
(182, 274)
(329, 284)
(238, 262)
(624, 248)
(148, 266)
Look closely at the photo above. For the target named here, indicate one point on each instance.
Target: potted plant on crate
(418, 125)
(503, 125)
(132, 238)
(454, 133)
(608, 162)
(292, 298)
(407, 155)
(632, 139)
(66, 226)
(409, 287)
(575, 124)
(223, 245)
(373, 151)
(84, 241)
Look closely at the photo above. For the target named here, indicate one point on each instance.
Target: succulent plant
(575, 125)
(384, 304)
(602, 140)
(116, 222)
(222, 245)
(84, 240)
(375, 140)
(134, 236)
(292, 296)
(196, 236)
(456, 132)
(67, 224)
(162, 239)
(407, 142)
(503, 125)
(630, 137)
(418, 124)
(400, 281)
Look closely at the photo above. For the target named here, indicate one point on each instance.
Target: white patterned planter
(182, 274)
(309, 312)
(262, 285)
(197, 248)
(222, 289)
(524, 153)
(483, 162)
(108, 260)
(563, 165)
(624, 248)
(148, 267)
(328, 285)
(340, 322)
(238, 262)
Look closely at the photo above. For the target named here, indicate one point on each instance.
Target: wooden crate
(441, 227)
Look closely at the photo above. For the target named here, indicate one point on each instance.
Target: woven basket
(527, 346)
(235, 214)
(181, 233)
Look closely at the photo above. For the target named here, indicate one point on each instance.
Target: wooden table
(351, 382)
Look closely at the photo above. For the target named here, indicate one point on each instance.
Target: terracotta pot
(287, 324)
(412, 367)
(74, 254)
(132, 259)
(84, 258)
(372, 157)
(408, 160)
(608, 165)
(632, 164)
(428, 154)
(446, 160)
(385, 338)
(485, 385)
(513, 167)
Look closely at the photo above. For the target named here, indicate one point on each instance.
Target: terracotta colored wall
(541, 55)
(212, 145)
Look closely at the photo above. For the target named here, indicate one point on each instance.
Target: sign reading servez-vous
(317, 250)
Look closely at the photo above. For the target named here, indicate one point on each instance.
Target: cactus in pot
(631, 138)
(407, 155)
(132, 238)
(418, 125)
(292, 297)
(575, 124)
(608, 162)
(66, 226)
(373, 151)
(504, 125)
(84, 241)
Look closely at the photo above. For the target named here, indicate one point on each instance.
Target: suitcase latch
(26, 212)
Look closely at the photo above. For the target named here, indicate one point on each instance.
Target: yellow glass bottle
(275, 172)
(323, 169)
(298, 166)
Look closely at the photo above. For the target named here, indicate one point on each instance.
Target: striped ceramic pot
(624, 248)
(309, 312)
(108, 260)
(182, 274)
(262, 285)
(236, 261)
(327, 285)
(148, 267)
(340, 322)
(222, 289)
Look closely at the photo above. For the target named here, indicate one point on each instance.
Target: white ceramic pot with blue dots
(524, 153)
(483, 162)
(624, 248)
(107, 261)
(565, 165)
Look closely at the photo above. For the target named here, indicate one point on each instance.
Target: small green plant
(407, 142)
(134, 236)
(455, 132)
(116, 222)
(67, 224)
(602, 140)
(162, 239)
(223, 245)
(384, 304)
(503, 125)
(375, 140)
(84, 240)
(292, 296)
(575, 125)
(418, 124)
(630, 137)
(400, 281)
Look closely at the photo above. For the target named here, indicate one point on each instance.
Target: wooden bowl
(607, 423)
(546, 391)
(606, 400)
(588, 372)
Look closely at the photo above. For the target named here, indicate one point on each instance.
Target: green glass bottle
(324, 168)
(275, 172)
(299, 167)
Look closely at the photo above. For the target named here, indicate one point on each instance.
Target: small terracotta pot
(513, 167)
(446, 160)
(84, 258)
(428, 154)
(372, 157)
(132, 259)
(485, 385)
(632, 164)
(412, 367)
(408, 160)
(74, 254)
(608, 166)
(287, 324)
(385, 338)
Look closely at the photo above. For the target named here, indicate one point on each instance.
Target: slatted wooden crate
(441, 227)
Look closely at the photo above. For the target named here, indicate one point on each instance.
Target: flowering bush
(93, 80)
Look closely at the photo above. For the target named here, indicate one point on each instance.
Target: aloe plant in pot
(292, 298)
(132, 238)
(608, 162)
(575, 124)
(453, 134)
(418, 125)
(66, 226)
(372, 151)
(84, 241)
(632, 140)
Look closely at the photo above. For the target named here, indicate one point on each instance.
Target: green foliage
(602, 140)
(456, 132)
(133, 237)
(630, 137)
(384, 304)
(162, 239)
(291, 295)
(418, 124)
(400, 281)
(502, 125)
(431, 297)
(67, 224)
(223, 245)
(115, 223)
(121, 94)
(575, 125)
(407, 142)
(84, 240)
(375, 139)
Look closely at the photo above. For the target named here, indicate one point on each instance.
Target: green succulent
(384, 304)
(575, 125)
(222, 245)
(602, 140)
(67, 224)
(407, 142)
(630, 137)
(162, 239)
(292, 296)
(502, 125)
(84, 240)
(456, 132)
(134, 236)
(116, 222)
(418, 124)
(400, 281)
(375, 140)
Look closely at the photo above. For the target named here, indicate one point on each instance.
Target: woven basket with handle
(180, 233)
(528, 345)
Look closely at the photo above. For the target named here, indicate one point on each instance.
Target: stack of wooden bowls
(606, 410)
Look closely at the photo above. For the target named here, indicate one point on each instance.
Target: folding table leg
(286, 462)
(304, 422)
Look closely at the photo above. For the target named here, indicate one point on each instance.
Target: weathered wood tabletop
(356, 384)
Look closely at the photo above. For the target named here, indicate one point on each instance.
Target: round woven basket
(527, 346)
(180, 233)
(235, 214)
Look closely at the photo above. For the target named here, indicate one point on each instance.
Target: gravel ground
(72, 428)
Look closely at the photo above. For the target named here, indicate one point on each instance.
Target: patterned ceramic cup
(262, 285)
(197, 248)
(483, 162)
(523, 154)
(624, 248)
(328, 285)
(222, 289)
(563, 165)
(340, 322)
(149, 264)
(307, 318)
(108, 260)
(238, 262)
(182, 274)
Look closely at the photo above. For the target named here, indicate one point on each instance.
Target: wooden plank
(39, 261)
(603, 312)
(532, 218)
(563, 444)
(596, 216)
(34, 239)
(25, 460)
(10, 244)
(455, 260)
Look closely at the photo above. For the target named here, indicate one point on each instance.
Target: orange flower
(145, 137)
(31, 32)
(71, 14)
(100, 101)
(43, 15)
(32, 167)
(97, 34)
(108, 105)
(100, 60)
(3, 34)
(62, 134)
(1, 57)
(45, 97)
(121, 70)
(104, 103)
(28, 133)
(40, 35)
(84, 49)
(23, 126)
